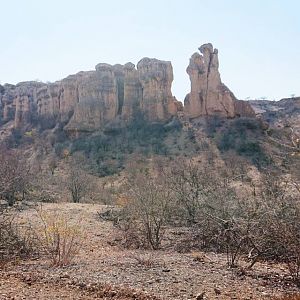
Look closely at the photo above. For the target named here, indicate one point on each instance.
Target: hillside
(111, 188)
(279, 113)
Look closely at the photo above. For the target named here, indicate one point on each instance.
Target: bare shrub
(190, 184)
(14, 176)
(208, 203)
(277, 236)
(16, 241)
(146, 210)
(262, 224)
(60, 239)
(143, 259)
(52, 164)
(77, 182)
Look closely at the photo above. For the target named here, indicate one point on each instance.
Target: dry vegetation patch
(112, 271)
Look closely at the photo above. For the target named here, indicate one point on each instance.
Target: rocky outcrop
(119, 91)
(18, 102)
(133, 91)
(96, 99)
(156, 79)
(243, 109)
(209, 96)
(282, 113)
(48, 100)
(89, 100)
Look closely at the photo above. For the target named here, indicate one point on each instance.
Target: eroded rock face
(243, 109)
(18, 102)
(97, 99)
(209, 96)
(87, 101)
(156, 79)
(119, 91)
(133, 91)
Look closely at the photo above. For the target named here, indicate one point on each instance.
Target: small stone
(217, 291)
(200, 296)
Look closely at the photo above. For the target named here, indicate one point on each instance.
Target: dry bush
(189, 183)
(77, 183)
(145, 260)
(16, 241)
(146, 210)
(263, 224)
(206, 201)
(14, 176)
(277, 234)
(58, 238)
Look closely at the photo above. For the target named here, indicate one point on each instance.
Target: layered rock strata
(89, 100)
(209, 96)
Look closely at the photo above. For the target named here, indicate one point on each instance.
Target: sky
(258, 40)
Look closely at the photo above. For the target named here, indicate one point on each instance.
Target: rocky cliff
(18, 102)
(89, 100)
(209, 96)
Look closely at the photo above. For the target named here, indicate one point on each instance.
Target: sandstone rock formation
(96, 99)
(156, 79)
(133, 91)
(89, 100)
(118, 91)
(18, 102)
(209, 96)
(243, 109)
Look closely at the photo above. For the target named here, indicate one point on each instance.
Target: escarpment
(18, 102)
(89, 100)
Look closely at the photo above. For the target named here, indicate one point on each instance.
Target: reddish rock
(209, 96)
(89, 100)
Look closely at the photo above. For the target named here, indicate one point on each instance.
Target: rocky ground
(104, 270)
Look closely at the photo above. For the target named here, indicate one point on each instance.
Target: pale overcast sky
(258, 40)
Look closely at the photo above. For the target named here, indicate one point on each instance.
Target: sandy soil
(103, 270)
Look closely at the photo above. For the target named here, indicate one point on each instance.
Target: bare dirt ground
(103, 270)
